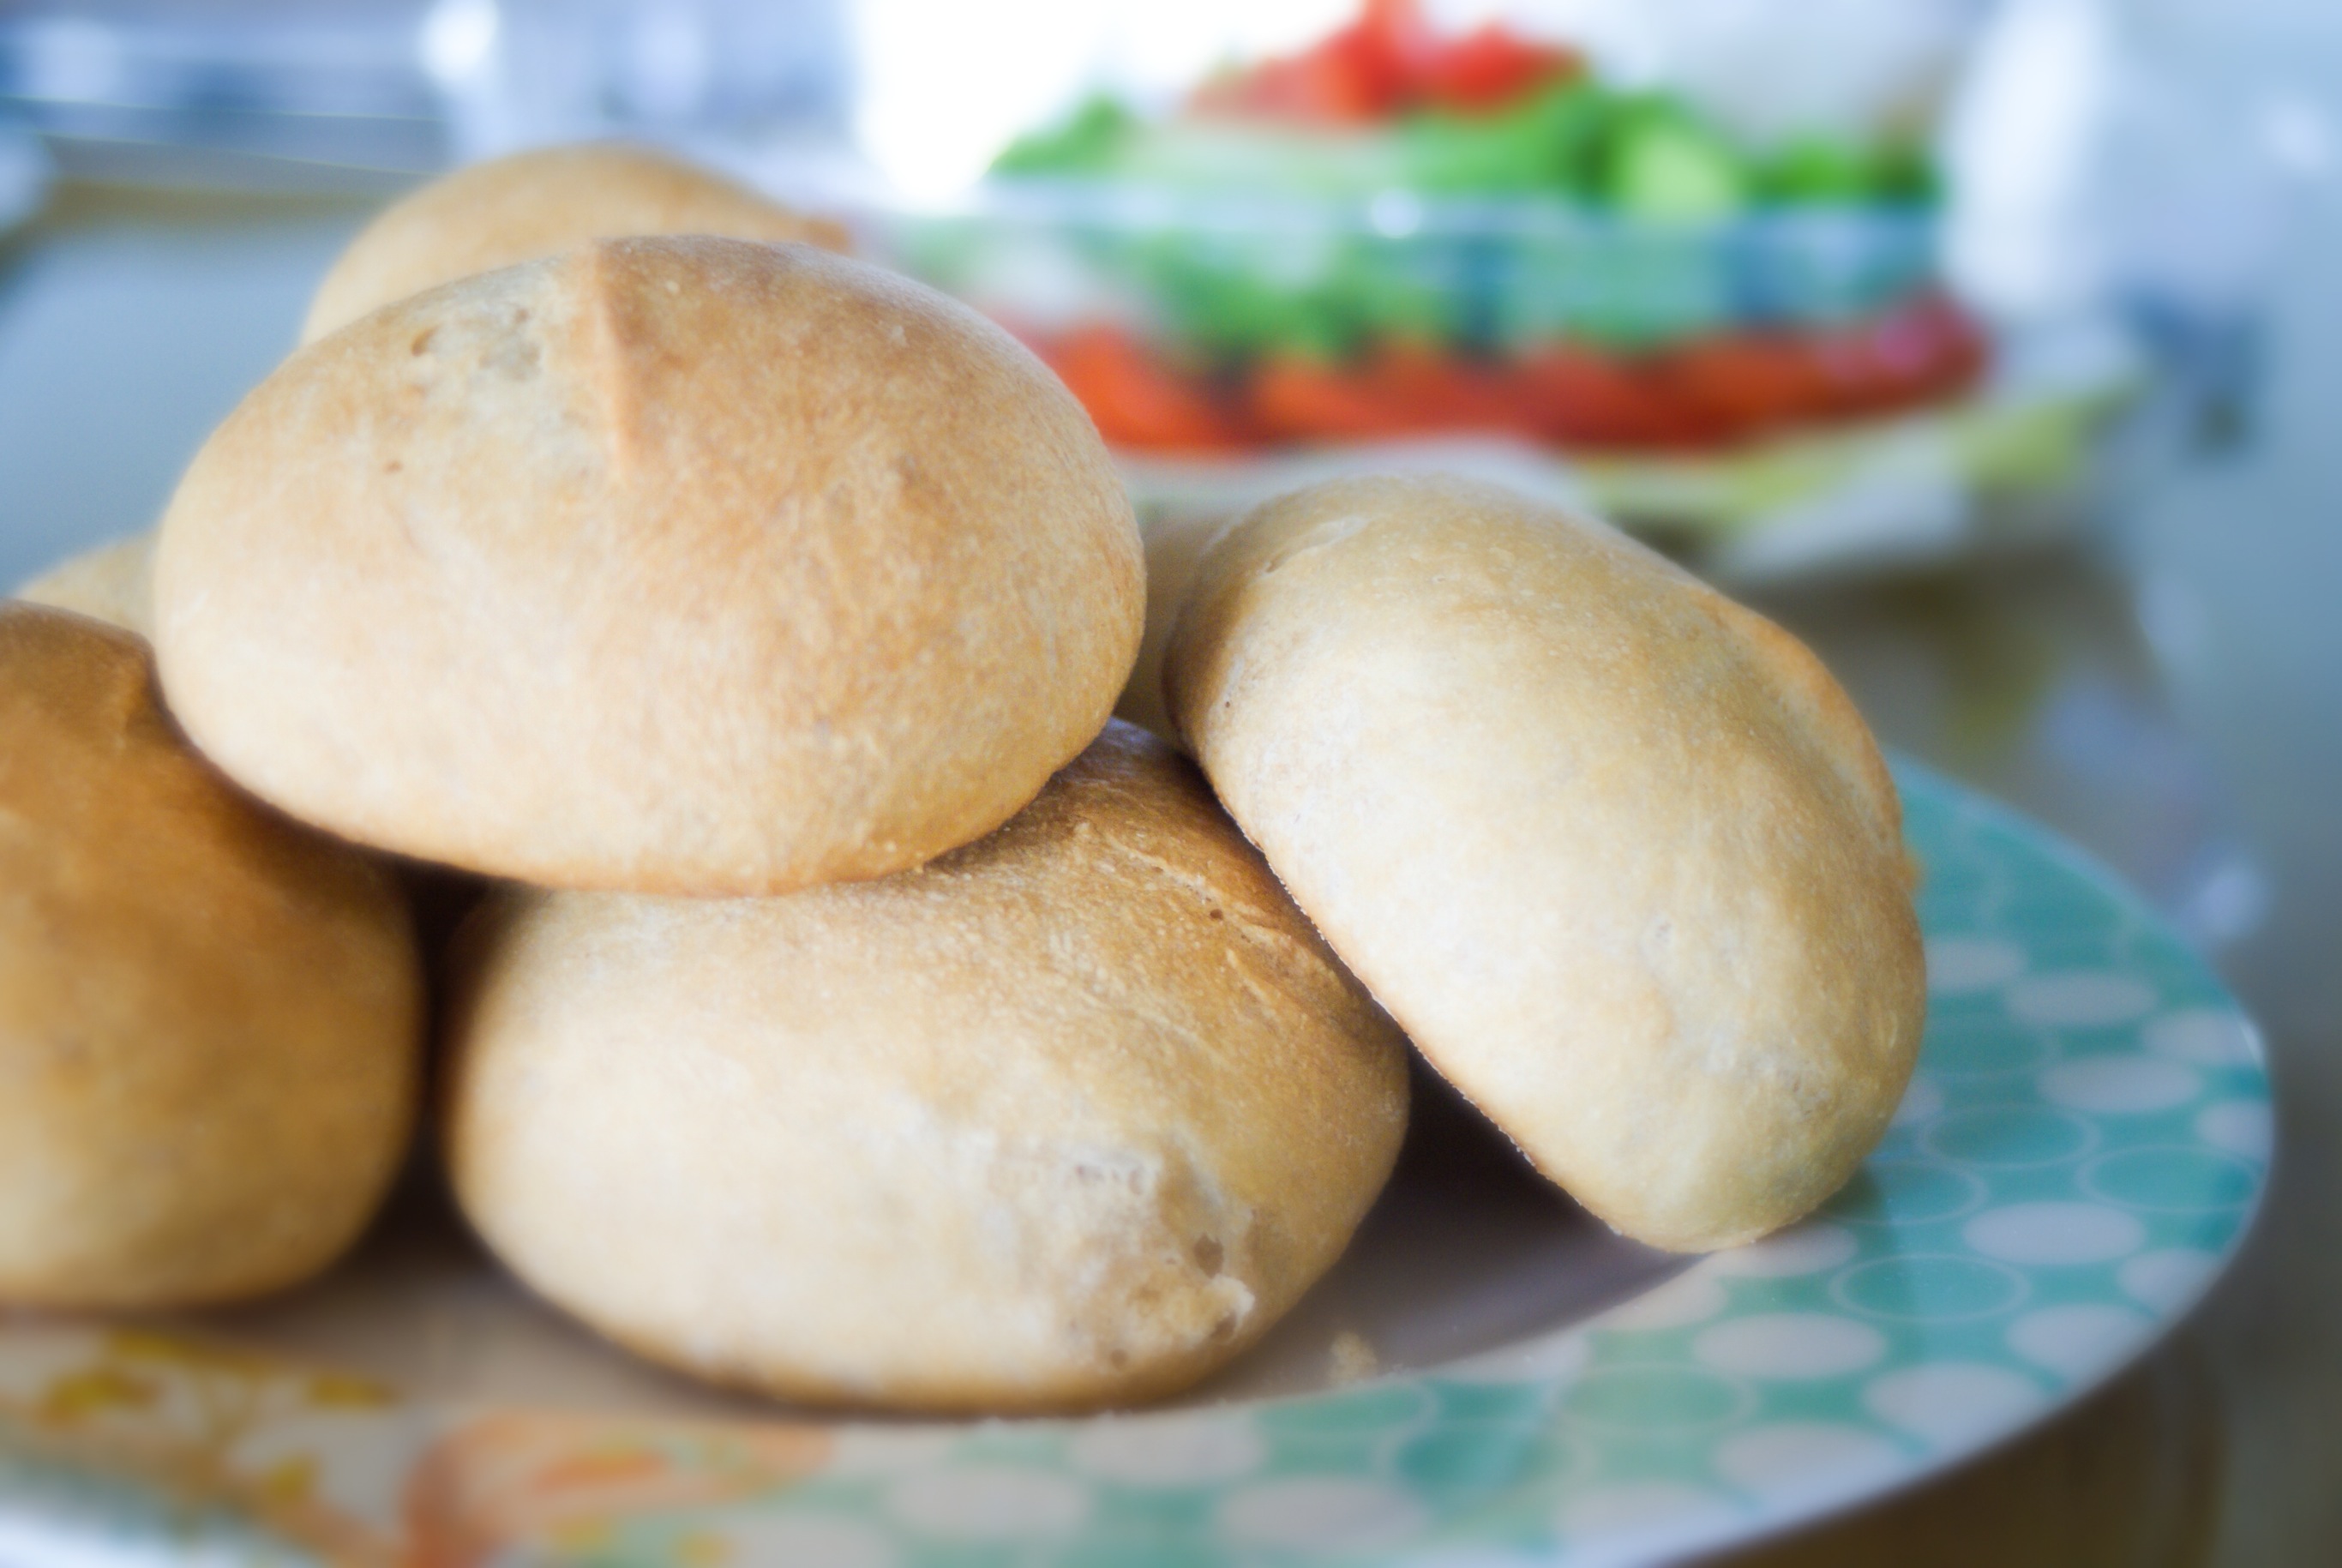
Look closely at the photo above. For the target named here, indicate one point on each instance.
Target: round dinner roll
(533, 204)
(1175, 542)
(111, 583)
(1618, 853)
(1068, 1117)
(210, 1017)
(674, 565)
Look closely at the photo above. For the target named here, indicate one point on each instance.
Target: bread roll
(209, 1017)
(680, 565)
(112, 583)
(530, 204)
(1069, 1116)
(1618, 853)
(1175, 542)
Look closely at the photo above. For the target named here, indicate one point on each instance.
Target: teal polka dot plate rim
(2080, 1153)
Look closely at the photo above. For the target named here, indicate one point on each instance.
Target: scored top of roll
(677, 565)
(528, 205)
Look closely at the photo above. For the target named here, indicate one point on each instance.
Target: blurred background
(1993, 345)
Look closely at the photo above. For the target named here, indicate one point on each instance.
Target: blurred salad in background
(1386, 103)
(1401, 231)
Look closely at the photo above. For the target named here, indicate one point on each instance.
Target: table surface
(2169, 692)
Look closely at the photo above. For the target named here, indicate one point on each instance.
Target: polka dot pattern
(1169, 1452)
(1791, 1346)
(2080, 1339)
(2207, 1036)
(1922, 1101)
(1339, 1512)
(2055, 1236)
(2120, 1085)
(988, 1503)
(1657, 1398)
(840, 1541)
(1957, 965)
(1809, 1248)
(2169, 1280)
(1946, 1402)
(2075, 1160)
(1811, 1461)
(2242, 1127)
(1692, 1297)
(2010, 1138)
(2080, 999)
(1920, 1288)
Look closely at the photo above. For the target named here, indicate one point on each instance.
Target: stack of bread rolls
(858, 1012)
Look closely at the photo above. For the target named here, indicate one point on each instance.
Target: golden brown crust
(112, 583)
(1618, 854)
(1175, 543)
(1068, 1116)
(530, 204)
(209, 1017)
(680, 565)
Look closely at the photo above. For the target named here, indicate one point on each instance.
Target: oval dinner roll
(1618, 853)
(210, 1018)
(676, 565)
(530, 204)
(111, 583)
(1068, 1116)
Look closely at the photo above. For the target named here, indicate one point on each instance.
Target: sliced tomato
(1390, 58)
(1432, 389)
(1398, 40)
(1489, 69)
(1293, 397)
(1920, 353)
(1137, 399)
(1357, 75)
(1321, 87)
(1932, 349)
(1750, 382)
(1403, 387)
(1583, 397)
